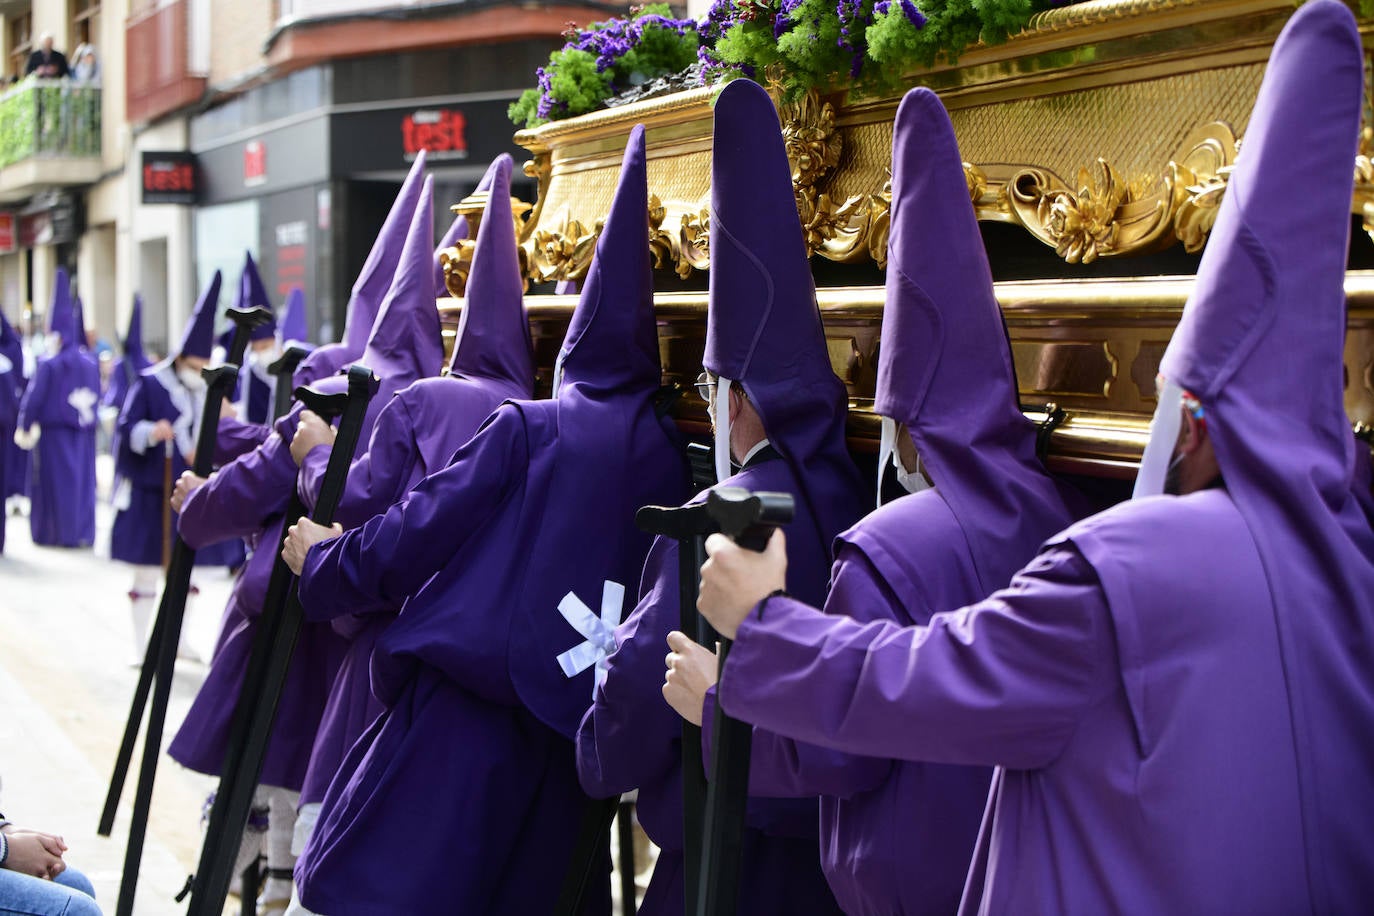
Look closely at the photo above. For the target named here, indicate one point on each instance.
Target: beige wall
(114, 134)
(239, 27)
(51, 16)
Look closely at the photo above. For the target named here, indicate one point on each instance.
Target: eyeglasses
(706, 386)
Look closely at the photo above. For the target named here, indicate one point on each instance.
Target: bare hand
(162, 432)
(36, 854)
(734, 580)
(228, 410)
(311, 431)
(300, 537)
(186, 484)
(692, 669)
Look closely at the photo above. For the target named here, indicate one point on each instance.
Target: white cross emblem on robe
(82, 400)
(600, 631)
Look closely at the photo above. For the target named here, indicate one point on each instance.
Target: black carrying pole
(160, 659)
(748, 519)
(244, 320)
(173, 602)
(688, 526)
(284, 370)
(281, 620)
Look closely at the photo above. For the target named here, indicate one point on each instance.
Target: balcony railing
(47, 119)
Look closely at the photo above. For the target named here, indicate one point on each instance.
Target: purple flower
(913, 15)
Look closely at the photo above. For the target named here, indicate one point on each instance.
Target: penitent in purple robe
(1176, 692)
(61, 402)
(141, 473)
(898, 836)
(763, 332)
(248, 498)
(256, 385)
(415, 435)
(469, 773)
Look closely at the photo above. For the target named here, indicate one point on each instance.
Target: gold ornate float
(1105, 130)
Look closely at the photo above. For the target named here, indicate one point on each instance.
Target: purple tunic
(11, 391)
(61, 401)
(136, 536)
(416, 434)
(1176, 691)
(470, 773)
(131, 365)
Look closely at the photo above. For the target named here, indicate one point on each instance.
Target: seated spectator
(35, 880)
(47, 62)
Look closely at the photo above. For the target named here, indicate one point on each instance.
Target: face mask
(911, 481)
(191, 378)
(264, 358)
(53, 345)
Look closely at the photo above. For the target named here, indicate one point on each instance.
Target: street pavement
(66, 682)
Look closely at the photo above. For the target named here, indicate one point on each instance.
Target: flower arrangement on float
(859, 46)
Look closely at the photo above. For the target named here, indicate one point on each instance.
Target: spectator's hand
(734, 579)
(162, 432)
(36, 854)
(186, 484)
(692, 669)
(300, 537)
(311, 431)
(228, 410)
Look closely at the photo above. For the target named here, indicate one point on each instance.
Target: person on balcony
(1176, 693)
(87, 67)
(46, 62)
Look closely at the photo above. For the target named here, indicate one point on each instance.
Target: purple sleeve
(386, 560)
(631, 736)
(1002, 682)
(378, 477)
(235, 438)
(32, 405)
(240, 498)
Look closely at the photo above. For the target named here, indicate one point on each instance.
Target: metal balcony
(49, 136)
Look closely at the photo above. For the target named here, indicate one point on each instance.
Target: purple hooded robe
(61, 402)
(139, 497)
(898, 836)
(1176, 692)
(248, 497)
(14, 474)
(763, 331)
(469, 774)
(256, 385)
(294, 328)
(416, 434)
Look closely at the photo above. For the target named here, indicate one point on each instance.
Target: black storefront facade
(302, 171)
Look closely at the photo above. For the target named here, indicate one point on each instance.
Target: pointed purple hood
(493, 339)
(612, 339)
(944, 367)
(199, 338)
(253, 294)
(293, 325)
(405, 339)
(62, 314)
(133, 337)
(1260, 345)
(458, 229)
(375, 277)
(763, 327)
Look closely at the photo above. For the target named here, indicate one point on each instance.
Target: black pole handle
(284, 370)
(245, 320)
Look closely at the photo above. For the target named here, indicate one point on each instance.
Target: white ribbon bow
(600, 631)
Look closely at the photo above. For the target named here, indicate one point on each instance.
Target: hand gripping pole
(273, 645)
(748, 519)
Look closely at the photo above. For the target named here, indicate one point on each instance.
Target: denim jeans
(69, 894)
